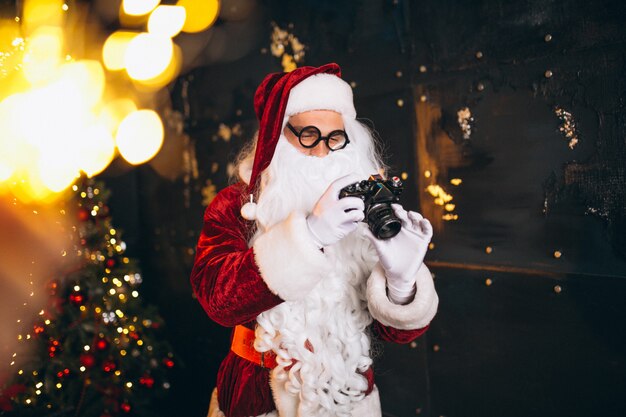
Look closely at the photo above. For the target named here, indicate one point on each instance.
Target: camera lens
(382, 221)
(389, 229)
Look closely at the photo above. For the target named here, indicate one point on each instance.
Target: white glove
(402, 255)
(333, 218)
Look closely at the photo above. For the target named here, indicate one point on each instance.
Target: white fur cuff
(290, 263)
(415, 315)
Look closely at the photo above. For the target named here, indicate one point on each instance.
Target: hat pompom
(248, 210)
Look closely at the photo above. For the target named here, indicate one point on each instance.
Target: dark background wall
(532, 273)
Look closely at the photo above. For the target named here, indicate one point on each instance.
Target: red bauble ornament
(125, 407)
(109, 366)
(87, 360)
(110, 263)
(102, 344)
(53, 348)
(64, 372)
(83, 214)
(168, 362)
(53, 286)
(147, 381)
(77, 298)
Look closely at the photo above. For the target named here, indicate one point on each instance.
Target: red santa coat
(235, 283)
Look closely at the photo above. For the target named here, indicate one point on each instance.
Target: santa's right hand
(333, 218)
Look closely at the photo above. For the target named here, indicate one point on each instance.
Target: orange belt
(243, 346)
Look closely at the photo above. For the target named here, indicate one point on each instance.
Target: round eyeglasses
(310, 136)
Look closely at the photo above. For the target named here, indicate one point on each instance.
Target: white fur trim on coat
(321, 92)
(415, 315)
(290, 263)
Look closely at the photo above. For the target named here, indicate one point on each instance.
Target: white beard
(295, 181)
(332, 319)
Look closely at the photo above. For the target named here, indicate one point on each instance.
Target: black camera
(378, 195)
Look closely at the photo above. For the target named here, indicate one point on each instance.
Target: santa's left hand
(402, 255)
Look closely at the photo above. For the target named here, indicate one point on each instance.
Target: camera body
(378, 195)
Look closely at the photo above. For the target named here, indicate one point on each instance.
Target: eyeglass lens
(310, 134)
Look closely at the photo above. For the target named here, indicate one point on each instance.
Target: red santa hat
(288, 93)
(284, 94)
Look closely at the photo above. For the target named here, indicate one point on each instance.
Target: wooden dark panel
(519, 348)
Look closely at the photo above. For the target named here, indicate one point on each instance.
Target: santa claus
(293, 269)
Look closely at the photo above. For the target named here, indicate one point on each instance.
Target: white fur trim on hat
(415, 315)
(290, 263)
(321, 92)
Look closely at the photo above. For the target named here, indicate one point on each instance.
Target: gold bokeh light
(115, 111)
(85, 80)
(139, 7)
(114, 49)
(61, 115)
(140, 136)
(165, 77)
(98, 149)
(148, 55)
(201, 14)
(39, 13)
(42, 56)
(167, 20)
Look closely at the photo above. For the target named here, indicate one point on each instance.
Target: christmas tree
(95, 348)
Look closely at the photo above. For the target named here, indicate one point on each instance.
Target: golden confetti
(287, 47)
(456, 181)
(437, 191)
(288, 63)
(442, 198)
(464, 118)
(568, 126)
(488, 249)
(224, 132)
(209, 191)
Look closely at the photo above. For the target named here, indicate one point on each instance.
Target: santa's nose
(320, 150)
